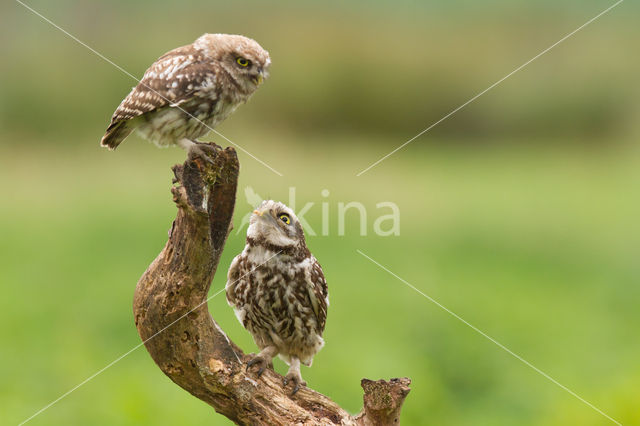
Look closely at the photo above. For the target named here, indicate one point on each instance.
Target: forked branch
(173, 319)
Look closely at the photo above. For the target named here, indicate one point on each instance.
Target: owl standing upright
(190, 90)
(278, 291)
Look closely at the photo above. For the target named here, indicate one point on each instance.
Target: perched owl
(278, 291)
(189, 90)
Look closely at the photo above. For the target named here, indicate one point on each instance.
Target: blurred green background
(519, 213)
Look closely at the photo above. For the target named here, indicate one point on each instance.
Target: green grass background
(519, 213)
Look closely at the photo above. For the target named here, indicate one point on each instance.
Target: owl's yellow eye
(243, 62)
(285, 218)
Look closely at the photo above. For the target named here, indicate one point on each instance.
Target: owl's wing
(174, 78)
(318, 292)
(233, 276)
(236, 284)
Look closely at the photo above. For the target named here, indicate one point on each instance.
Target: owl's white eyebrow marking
(500, 345)
(68, 34)
(489, 88)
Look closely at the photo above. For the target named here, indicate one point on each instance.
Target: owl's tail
(116, 133)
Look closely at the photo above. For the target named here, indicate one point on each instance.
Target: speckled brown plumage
(278, 290)
(190, 90)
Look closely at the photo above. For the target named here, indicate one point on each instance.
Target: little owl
(190, 90)
(278, 291)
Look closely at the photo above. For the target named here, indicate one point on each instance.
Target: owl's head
(241, 57)
(276, 225)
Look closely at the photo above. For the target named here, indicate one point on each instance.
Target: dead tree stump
(173, 319)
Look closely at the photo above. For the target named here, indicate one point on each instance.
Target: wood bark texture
(173, 319)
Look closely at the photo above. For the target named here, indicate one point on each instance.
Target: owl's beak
(261, 214)
(265, 216)
(258, 78)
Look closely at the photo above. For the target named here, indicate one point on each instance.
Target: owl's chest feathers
(271, 270)
(190, 119)
(274, 304)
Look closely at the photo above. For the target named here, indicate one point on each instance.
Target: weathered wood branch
(173, 319)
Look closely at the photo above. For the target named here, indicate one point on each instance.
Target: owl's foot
(201, 150)
(263, 359)
(262, 364)
(293, 376)
(296, 380)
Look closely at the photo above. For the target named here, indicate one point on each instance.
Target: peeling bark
(173, 319)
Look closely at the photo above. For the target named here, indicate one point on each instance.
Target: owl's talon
(296, 389)
(261, 362)
(209, 147)
(254, 361)
(295, 378)
(198, 150)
